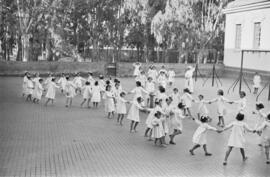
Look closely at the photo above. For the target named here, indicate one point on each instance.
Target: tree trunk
(25, 47)
(19, 52)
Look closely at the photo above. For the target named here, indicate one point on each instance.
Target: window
(238, 33)
(257, 35)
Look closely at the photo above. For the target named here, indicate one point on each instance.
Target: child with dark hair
(38, 91)
(242, 102)
(87, 93)
(260, 120)
(121, 108)
(24, 85)
(256, 82)
(187, 100)
(150, 88)
(150, 117)
(29, 88)
(176, 126)
(70, 92)
(62, 82)
(96, 94)
(202, 109)
(221, 109)
(134, 113)
(237, 137)
(158, 130)
(264, 130)
(200, 136)
(52, 86)
(175, 97)
(138, 91)
(109, 100)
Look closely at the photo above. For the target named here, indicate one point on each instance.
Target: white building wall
(232, 56)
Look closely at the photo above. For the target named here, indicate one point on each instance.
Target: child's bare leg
(121, 119)
(118, 118)
(135, 126)
(146, 132)
(88, 103)
(131, 126)
(267, 154)
(46, 103)
(222, 121)
(243, 154)
(83, 102)
(205, 150)
(227, 155)
(193, 148)
(70, 103)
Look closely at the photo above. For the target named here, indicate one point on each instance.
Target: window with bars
(257, 35)
(238, 33)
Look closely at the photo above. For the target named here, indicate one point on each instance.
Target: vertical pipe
(269, 92)
(241, 71)
(213, 75)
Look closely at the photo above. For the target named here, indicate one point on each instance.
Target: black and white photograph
(134, 88)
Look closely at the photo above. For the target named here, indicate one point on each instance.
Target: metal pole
(241, 71)
(213, 75)
(269, 92)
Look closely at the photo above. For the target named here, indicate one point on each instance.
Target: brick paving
(56, 141)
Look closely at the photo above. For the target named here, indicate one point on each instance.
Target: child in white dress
(134, 113)
(121, 108)
(256, 82)
(162, 79)
(62, 82)
(52, 86)
(70, 91)
(237, 136)
(141, 78)
(221, 100)
(158, 130)
(148, 122)
(202, 109)
(187, 100)
(264, 130)
(175, 97)
(24, 85)
(96, 94)
(176, 126)
(90, 79)
(78, 81)
(150, 88)
(241, 103)
(163, 70)
(29, 89)
(152, 72)
(137, 67)
(110, 106)
(261, 119)
(138, 91)
(189, 83)
(87, 93)
(47, 81)
(171, 75)
(38, 91)
(200, 135)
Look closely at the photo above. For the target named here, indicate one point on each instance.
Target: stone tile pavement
(56, 141)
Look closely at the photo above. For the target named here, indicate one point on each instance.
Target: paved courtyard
(58, 141)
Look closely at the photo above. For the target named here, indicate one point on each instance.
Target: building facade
(248, 28)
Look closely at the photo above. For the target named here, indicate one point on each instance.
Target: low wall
(123, 69)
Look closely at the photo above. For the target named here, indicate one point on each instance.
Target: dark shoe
(245, 159)
(173, 143)
(268, 162)
(208, 154)
(224, 163)
(191, 152)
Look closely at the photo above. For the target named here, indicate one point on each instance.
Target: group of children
(166, 107)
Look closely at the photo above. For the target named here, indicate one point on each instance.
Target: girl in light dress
(264, 130)
(96, 94)
(237, 136)
(137, 67)
(241, 103)
(38, 91)
(102, 85)
(47, 81)
(256, 82)
(187, 100)
(134, 113)
(158, 130)
(110, 103)
(163, 70)
(162, 79)
(90, 79)
(78, 81)
(189, 83)
(176, 126)
(52, 86)
(141, 78)
(261, 119)
(220, 100)
(167, 109)
(202, 109)
(150, 88)
(70, 91)
(24, 85)
(29, 89)
(171, 75)
(62, 82)
(175, 97)
(150, 117)
(152, 72)
(138, 91)
(161, 95)
(87, 94)
(35, 81)
(121, 108)
(200, 135)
